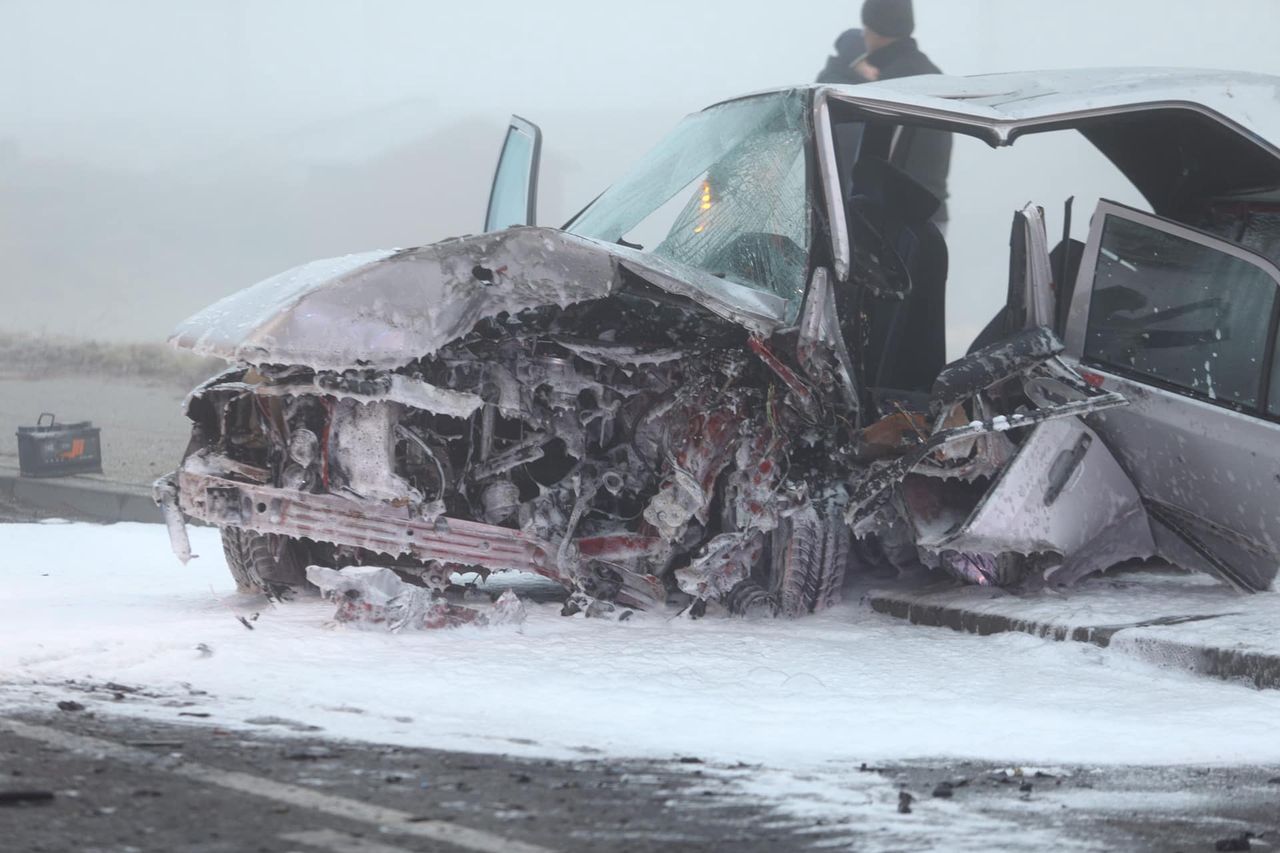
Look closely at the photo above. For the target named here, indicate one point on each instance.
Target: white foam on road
(111, 604)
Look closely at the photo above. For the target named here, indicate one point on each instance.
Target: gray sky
(236, 69)
(188, 148)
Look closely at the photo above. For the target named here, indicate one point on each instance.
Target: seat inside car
(1065, 271)
(897, 248)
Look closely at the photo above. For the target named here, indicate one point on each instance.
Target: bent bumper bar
(371, 525)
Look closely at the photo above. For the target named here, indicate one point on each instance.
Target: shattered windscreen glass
(726, 193)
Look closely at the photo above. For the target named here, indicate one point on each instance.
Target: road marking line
(394, 820)
(340, 842)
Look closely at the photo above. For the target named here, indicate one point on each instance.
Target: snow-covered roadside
(111, 604)
(808, 700)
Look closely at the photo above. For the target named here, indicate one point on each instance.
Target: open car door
(513, 199)
(1183, 325)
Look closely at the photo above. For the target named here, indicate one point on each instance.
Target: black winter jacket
(850, 47)
(927, 155)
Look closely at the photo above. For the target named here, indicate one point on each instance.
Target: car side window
(514, 198)
(1273, 406)
(1178, 309)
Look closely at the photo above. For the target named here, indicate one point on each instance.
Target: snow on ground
(112, 604)
(102, 604)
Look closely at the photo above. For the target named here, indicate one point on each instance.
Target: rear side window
(1182, 313)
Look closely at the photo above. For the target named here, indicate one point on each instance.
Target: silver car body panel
(1208, 460)
(999, 107)
(1064, 493)
(394, 306)
(1217, 464)
(366, 523)
(841, 250)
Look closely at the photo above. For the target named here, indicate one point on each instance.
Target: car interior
(1192, 169)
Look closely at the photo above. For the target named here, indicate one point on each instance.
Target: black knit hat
(893, 19)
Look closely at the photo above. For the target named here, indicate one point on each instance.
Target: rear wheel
(265, 563)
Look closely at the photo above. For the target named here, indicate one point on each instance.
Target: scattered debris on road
(508, 610)
(373, 598)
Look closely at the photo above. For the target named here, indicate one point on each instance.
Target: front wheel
(266, 563)
(802, 569)
(812, 555)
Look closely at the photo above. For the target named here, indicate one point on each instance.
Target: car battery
(51, 449)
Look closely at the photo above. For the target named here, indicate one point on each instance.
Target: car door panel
(1186, 334)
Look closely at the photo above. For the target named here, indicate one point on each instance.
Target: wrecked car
(724, 383)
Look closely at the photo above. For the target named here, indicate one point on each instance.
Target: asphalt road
(149, 787)
(100, 783)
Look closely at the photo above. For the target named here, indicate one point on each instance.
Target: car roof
(1003, 104)
(1181, 136)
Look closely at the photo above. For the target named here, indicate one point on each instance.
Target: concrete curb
(82, 497)
(1138, 640)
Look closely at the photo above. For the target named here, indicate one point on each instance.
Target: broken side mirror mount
(820, 348)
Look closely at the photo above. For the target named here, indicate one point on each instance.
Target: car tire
(812, 555)
(265, 563)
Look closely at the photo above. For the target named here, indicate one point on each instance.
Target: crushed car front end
(673, 401)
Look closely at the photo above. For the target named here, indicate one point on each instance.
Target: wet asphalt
(56, 797)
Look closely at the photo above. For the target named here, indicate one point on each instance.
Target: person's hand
(866, 71)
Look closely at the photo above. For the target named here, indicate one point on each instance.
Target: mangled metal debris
(508, 609)
(376, 599)
(732, 419)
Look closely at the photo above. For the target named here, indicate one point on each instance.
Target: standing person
(892, 53)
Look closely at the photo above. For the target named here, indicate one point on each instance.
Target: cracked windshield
(725, 193)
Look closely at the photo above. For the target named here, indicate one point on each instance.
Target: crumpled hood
(384, 309)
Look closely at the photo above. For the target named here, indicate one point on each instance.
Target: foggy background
(158, 154)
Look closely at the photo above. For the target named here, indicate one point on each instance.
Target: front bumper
(374, 526)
